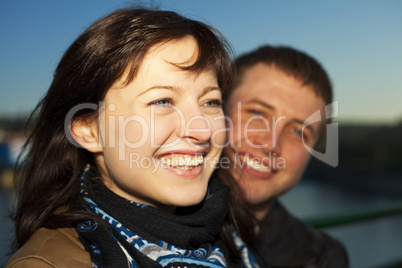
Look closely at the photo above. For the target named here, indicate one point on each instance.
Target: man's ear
(85, 132)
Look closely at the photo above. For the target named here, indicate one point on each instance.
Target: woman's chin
(188, 202)
(188, 199)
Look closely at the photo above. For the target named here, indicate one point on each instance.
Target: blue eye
(214, 103)
(255, 112)
(162, 102)
(298, 131)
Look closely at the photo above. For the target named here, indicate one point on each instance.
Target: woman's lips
(182, 160)
(183, 163)
(182, 152)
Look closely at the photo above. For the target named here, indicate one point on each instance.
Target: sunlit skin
(164, 112)
(267, 127)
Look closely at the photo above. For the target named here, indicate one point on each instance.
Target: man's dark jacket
(288, 242)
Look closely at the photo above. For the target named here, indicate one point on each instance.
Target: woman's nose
(198, 128)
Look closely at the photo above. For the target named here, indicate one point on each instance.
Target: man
(275, 91)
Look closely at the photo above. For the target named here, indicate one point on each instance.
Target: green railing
(358, 217)
(355, 217)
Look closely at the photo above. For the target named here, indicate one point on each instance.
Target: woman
(126, 139)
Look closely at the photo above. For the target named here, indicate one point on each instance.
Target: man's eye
(162, 102)
(298, 131)
(255, 112)
(213, 103)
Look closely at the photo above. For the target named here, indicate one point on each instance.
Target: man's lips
(253, 159)
(255, 164)
(254, 167)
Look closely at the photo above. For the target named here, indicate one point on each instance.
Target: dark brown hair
(289, 60)
(48, 187)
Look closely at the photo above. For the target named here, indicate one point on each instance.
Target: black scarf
(193, 229)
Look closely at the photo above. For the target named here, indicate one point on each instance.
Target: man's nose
(267, 139)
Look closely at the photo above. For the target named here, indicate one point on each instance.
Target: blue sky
(358, 42)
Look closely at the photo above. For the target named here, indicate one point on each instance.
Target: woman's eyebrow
(177, 90)
(209, 89)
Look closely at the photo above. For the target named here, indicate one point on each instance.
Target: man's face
(267, 112)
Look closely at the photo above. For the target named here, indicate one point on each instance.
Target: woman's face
(162, 134)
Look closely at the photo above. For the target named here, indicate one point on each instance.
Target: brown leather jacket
(51, 248)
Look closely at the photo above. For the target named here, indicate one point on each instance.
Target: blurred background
(359, 43)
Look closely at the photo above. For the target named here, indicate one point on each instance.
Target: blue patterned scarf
(143, 236)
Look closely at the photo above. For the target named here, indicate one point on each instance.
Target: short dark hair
(289, 60)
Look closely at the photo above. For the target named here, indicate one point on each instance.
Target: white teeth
(256, 165)
(165, 161)
(185, 162)
(188, 161)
